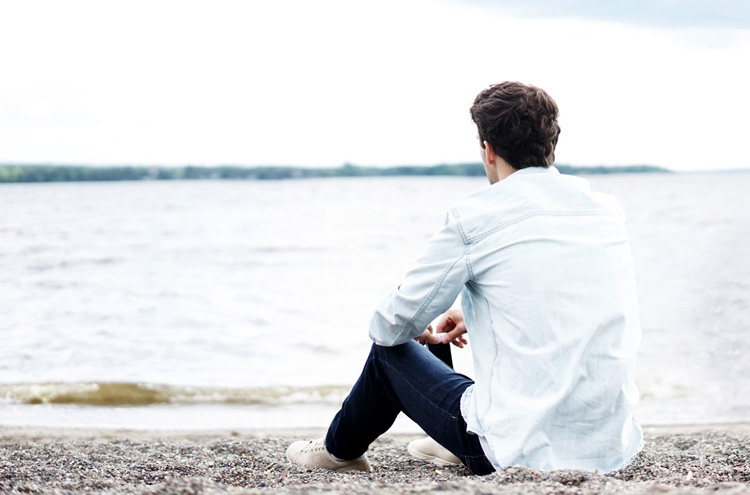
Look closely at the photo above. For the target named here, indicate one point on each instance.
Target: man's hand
(451, 328)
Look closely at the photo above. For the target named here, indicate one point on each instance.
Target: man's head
(519, 122)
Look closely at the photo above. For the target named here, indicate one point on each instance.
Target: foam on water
(142, 394)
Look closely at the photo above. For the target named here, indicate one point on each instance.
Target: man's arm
(428, 289)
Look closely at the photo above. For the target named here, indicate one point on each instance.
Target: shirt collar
(536, 170)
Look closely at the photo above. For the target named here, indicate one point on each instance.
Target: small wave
(143, 394)
(72, 263)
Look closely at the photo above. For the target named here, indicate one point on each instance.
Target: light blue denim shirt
(548, 295)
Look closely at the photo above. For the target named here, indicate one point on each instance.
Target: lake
(245, 304)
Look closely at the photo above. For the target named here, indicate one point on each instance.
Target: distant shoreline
(12, 173)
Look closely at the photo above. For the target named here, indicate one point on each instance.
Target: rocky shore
(675, 460)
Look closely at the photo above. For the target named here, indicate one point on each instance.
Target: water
(245, 304)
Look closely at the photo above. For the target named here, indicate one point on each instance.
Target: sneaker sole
(429, 458)
(360, 466)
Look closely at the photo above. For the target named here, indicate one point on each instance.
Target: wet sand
(675, 460)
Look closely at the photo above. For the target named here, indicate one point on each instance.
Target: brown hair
(519, 121)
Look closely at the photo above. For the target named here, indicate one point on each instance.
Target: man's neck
(504, 170)
(500, 170)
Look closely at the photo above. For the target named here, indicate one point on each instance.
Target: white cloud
(321, 83)
(659, 13)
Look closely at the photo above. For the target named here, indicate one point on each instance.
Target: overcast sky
(321, 83)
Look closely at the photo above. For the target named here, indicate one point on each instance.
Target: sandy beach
(675, 460)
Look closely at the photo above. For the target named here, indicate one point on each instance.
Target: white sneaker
(428, 450)
(313, 453)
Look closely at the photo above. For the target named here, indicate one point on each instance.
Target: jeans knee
(394, 352)
(380, 351)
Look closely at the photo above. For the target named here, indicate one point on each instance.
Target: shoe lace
(316, 445)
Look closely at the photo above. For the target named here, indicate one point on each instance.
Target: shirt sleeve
(427, 290)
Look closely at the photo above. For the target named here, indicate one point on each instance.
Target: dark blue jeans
(406, 378)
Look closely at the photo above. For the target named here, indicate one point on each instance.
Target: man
(544, 270)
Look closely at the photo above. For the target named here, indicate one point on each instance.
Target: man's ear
(489, 153)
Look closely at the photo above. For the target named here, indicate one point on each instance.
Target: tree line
(75, 173)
